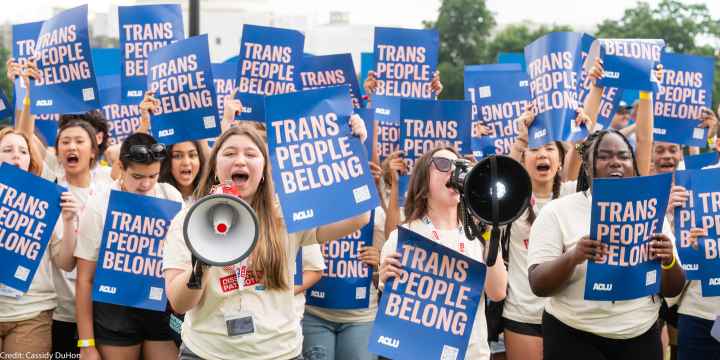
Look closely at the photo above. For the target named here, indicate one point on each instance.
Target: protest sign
(626, 221)
(498, 99)
(268, 63)
(298, 276)
(346, 280)
(180, 75)
(315, 156)
(29, 209)
(429, 312)
(123, 119)
(129, 266)
(405, 61)
(62, 51)
(611, 96)
(329, 70)
(6, 108)
(628, 63)
(686, 87)
(144, 29)
(702, 210)
(23, 48)
(700, 161)
(225, 77)
(368, 116)
(553, 66)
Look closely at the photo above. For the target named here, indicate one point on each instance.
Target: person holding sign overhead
(121, 332)
(431, 210)
(558, 252)
(260, 301)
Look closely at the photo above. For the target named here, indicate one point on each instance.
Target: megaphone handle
(495, 204)
(195, 280)
(494, 246)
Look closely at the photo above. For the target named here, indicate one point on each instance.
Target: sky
(405, 13)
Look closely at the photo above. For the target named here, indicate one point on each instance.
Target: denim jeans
(326, 340)
(694, 339)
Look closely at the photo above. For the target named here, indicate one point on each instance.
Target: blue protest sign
(315, 156)
(46, 127)
(346, 280)
(329, 70)
(553, 66)
(144, 29)
(700, 161)
(628, 63)
(298, 276)
(6, 108)
(129, 266)
(611, 96)
(429, 312)
(625, 221)
(123, 119)
(24, 37)
(367, 61)
(701, 211)
(498, 98)
(711, 286)
(686, 87)
(106, 61)
(269, 60)
(225, 77)
(30, 207)
(63, 56)
(368, 116)
(405, 61)
(388, 139)
(426, 124)
(387, 108)
(180, 75)
(512, 58)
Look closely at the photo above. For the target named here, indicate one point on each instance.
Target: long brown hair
(557, 180)
(269, 256)
(416, 201)
(35, 166)
(166, 175)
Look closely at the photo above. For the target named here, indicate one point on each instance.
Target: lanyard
(436, 233)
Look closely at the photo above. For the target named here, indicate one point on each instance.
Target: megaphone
(219, 230)
(496, 191)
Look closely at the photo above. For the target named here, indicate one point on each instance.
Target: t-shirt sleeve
(388, 248)
(312, 259)
(306, 237)
(546, 238)
(90, 229)
(568, 187)
(176, 254)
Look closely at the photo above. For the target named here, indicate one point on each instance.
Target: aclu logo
(611, 74)
(540, 133)
(317, 294)
(382, 111)
(303, 215)
(658, 131)
(47, 102)
(714, 281)
(246, 109)
(134, 93)
(107, 289)
(602, 287)
(388, 341)
(690, 267)
(166, 132)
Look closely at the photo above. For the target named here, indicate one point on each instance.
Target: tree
(680, 25)
(515, 37)
(5, 84)
(464, 27)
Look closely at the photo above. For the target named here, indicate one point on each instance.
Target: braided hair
(591, 143)
(557, 182)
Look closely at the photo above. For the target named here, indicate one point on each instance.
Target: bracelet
(644, 95)
(668, 267)
(26, 101)
(83, 343)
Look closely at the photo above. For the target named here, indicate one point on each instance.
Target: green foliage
(514, 37)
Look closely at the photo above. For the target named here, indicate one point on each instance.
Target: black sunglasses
(146, 153)
(442, 164)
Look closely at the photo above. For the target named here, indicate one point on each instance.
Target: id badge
(715, 332)
(238, 324)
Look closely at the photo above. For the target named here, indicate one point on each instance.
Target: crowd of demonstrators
(542, 280)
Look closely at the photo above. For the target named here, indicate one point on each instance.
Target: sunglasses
(442, 164)
(146, 153)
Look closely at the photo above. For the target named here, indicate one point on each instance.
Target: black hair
(96, 119)
(557, 182)
(166, 168)
(591, 143)
(95, 147)
(132, 140)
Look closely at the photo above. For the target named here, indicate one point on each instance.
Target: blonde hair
(35, 166)
(269, 256)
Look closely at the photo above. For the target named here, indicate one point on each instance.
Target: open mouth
(240, 177)
(616, 174)
(542, 167)
(72, 159)
(667, 166)
(186, 172)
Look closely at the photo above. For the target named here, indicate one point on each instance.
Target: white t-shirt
(694, 304)
(521, 304)
(357, 315)
(312, 260)
(556, 230)
(39, 297)
(92, 221)
(276, 323)
(478, 347)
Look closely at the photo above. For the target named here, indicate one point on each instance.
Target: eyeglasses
(146, 153)
(442, 164)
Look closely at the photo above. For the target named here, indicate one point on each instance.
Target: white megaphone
(221, 229)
